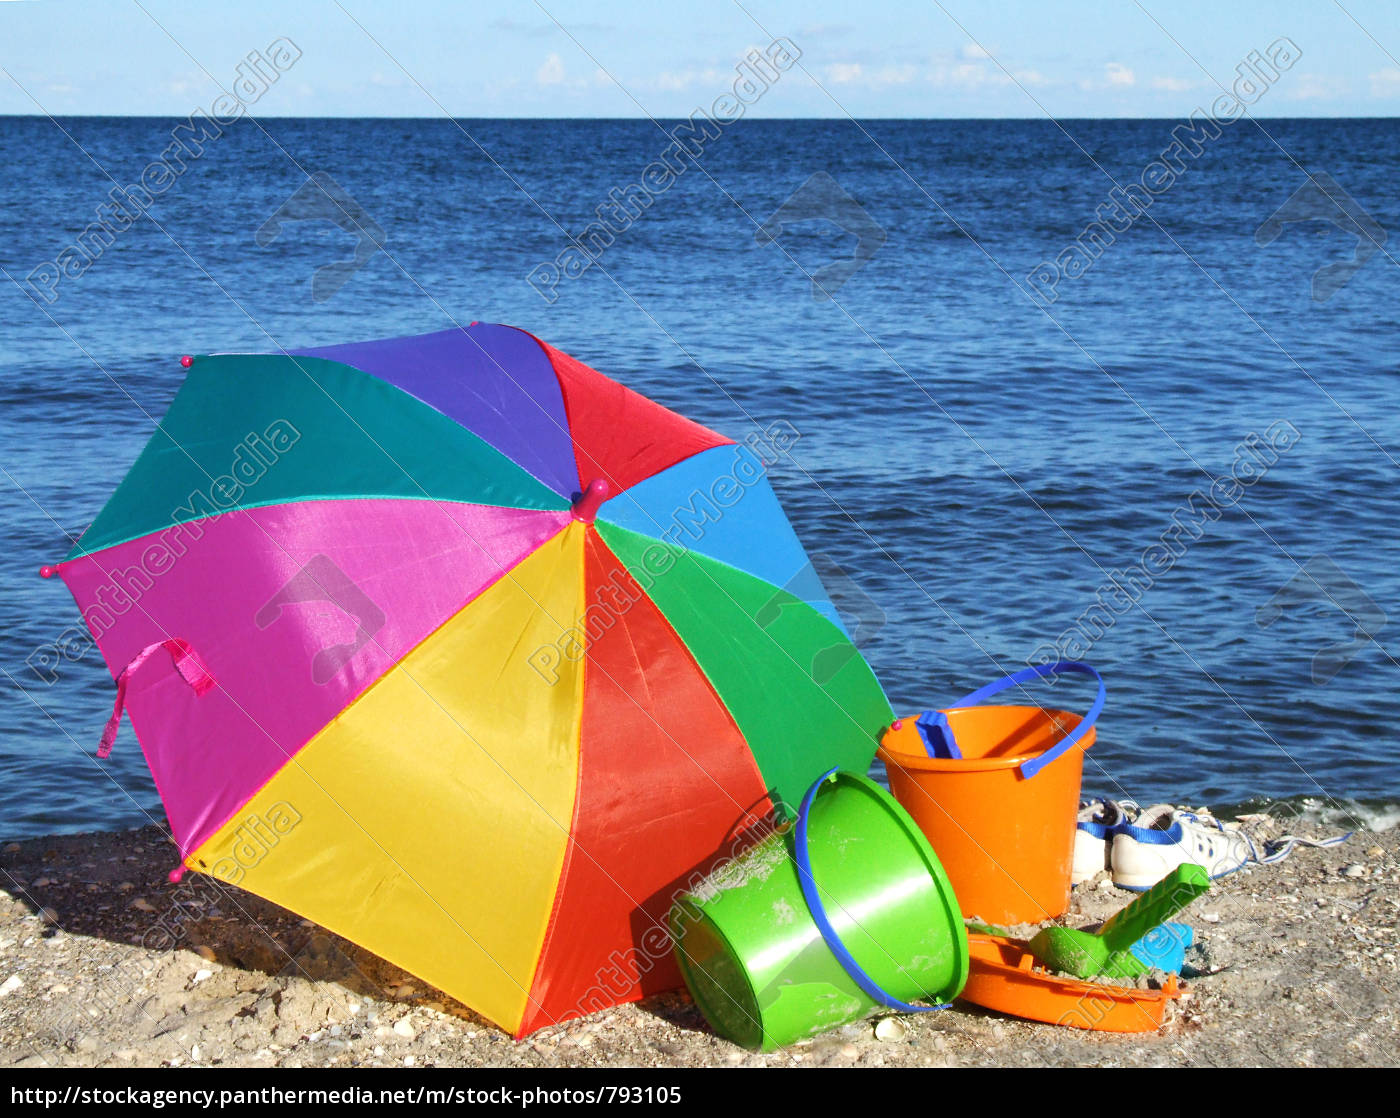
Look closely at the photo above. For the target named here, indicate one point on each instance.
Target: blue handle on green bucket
(868, 985)
(937, 735)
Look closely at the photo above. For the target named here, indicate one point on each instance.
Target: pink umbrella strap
(190, 667)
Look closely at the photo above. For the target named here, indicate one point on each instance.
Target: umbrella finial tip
(594, 494)
(186, 361)
(47, 571)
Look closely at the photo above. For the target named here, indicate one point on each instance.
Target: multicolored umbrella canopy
(466, 652)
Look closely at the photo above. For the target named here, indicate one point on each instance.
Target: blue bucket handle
(937, 735)
(801, 855)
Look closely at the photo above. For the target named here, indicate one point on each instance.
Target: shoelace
(1123, 811)
(1275, 850)
(1284, 844)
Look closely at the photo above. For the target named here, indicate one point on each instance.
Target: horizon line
(441, 117)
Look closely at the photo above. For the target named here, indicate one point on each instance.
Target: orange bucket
(1000, 812)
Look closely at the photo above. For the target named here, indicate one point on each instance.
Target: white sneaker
(1097, 823)
(1162, 838)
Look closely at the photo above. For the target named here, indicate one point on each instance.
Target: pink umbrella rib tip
(47, 571)
(186, 361)
(176, 875)
(586, 507)
(897, 724)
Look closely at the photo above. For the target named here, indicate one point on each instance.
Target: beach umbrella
(467, 653)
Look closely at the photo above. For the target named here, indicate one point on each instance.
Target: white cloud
(973, 67)
(552, 72)
(671, 81)
(674, 81)
(1385, 83)
(856, 73)
(893, 75)
(1118, 74)
(968, 75)
(1311, 87)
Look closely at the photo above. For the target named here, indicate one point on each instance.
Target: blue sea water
(974, 464)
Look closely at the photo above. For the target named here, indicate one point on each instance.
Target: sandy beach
(104, 963)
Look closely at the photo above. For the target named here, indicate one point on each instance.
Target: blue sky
(933, 58)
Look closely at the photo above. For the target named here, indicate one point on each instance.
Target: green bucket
(846, 913)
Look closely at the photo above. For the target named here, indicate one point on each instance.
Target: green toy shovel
(1106, 952)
